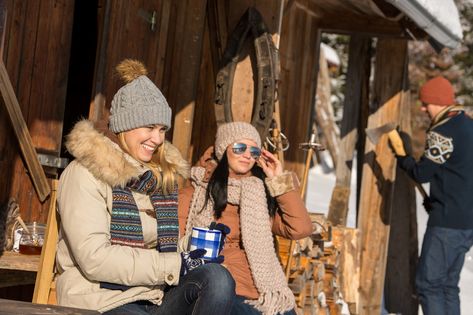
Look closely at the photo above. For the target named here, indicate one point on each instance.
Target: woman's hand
(270, 164)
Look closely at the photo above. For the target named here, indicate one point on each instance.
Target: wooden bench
(12, 307)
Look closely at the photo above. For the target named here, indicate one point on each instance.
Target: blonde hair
(164, 171)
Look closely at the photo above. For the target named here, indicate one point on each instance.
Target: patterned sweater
(447, 164)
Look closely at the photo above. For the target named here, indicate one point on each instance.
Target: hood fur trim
(103, 158)
(106, 161)
(173, 156)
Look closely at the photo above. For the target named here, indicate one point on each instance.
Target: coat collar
(98, 151)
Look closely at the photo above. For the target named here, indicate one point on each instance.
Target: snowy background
(319, 190)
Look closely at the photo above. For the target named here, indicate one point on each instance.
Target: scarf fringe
(274, 302)
(275, 295)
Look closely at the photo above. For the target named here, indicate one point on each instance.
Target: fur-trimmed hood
(102, 156)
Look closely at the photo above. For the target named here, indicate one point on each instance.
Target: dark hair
(218, 184)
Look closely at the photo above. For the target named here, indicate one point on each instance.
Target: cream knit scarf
(248, 192)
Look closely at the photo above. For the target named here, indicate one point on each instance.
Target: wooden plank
(185, 81)
(21, 131)
(357, 81)
(17, 261)
(163, 38)
(18, 307)
(127, 33)
(204, 126)
(379, 174)
(48, 88)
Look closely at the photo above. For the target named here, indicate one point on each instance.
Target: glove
(222, 228)
(193, 259)
(406, 141)
(427, 204)
(396, 143)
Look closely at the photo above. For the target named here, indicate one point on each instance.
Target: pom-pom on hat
(139, 103)
(437, 91)
(229, 133)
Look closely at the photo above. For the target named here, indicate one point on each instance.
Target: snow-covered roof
(438, 18)
(330, 55)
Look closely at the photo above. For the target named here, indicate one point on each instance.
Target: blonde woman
(117, 200)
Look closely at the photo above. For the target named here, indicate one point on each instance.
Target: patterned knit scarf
(274, 294)
(125, 225)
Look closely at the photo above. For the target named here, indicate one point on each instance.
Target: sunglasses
(240, 148)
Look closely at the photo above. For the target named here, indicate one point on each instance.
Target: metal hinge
(52, 161)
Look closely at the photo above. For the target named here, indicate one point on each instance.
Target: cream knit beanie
(139, 103)
(229, 133)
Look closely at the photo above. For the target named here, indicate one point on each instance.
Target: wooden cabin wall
(171, 50)
(36, 53)
(222, 17)
(127, 32)
(300, 41)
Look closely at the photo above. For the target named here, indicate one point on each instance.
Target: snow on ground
(319, 190)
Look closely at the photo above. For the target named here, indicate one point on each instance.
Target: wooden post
(379, 173)
(324, 111)
(399, 290)
(356, 83)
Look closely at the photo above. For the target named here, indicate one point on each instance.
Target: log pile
(324, 270)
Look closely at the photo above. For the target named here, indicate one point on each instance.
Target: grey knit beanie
(139, 103)
(229, 133)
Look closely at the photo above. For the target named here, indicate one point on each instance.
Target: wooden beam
(357, 83)
(399, 290)
(45, 275)
(35, 169)
(362, 25)
(379, 173)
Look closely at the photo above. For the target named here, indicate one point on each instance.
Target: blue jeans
(208, 289)
(241, 308)
(438, 271)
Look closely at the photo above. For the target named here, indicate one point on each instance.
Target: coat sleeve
(85, 224)
(292, 220)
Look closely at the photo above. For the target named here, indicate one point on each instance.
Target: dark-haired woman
(244, 187)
